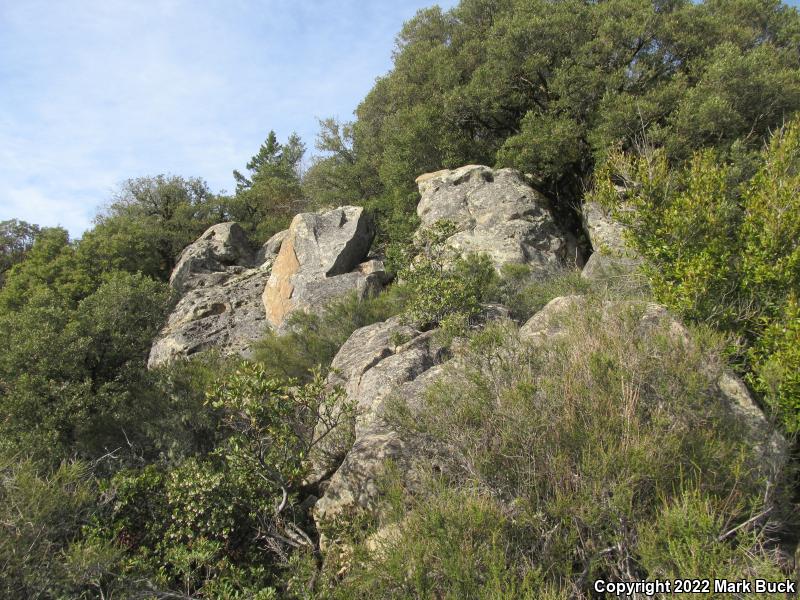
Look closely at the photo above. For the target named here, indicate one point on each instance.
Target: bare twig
(747, 523)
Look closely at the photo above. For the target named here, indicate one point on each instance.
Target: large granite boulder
(365, 348)
(322, 258)
(222, 250)
(497, 213)
(220, 279)
(605, 234)
(227, 316)
(231, 293)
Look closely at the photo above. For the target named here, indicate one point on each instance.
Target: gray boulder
(612, 260)
(379, 363)
(365, 348)
(270, 249)
(497, 213)
(368, 367)
(220, 280)
(227, 316)
(222, 250)
(355, 485)
(605, 234)
(320, 259)
(231, 294)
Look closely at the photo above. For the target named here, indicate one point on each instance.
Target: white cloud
(34, 205)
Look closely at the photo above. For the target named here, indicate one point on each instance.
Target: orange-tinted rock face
(279, 290)
(319, 262)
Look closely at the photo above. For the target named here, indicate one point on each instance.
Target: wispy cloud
(96, 91)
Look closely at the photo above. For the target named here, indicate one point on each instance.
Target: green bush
(41, 516)
(525, 295)
(585, 444)
(682, 542)
(441, 285)
(776, 365)
(224, 524)
(720, 240)
(454, 544)
(314, 339)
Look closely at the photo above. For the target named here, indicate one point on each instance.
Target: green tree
(147, 225)
(51, 263)
(339, 175)
(71, 377)
(270, 194)
(16, 238)
(549, 87)
(722, 248)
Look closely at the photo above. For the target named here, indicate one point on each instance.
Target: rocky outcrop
(220, 281)
(320, 259)
(221, 251)
(378, 363)
(355, 485)
(498, 213)
(612, 259)
(271, 247)
(550, 324)
(231, 293)
(605, 234)
(227, 316)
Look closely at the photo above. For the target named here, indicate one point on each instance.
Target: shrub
(683, 542)
(441, 284)
(455, 544)
(223, 524)
(585, 443)
(776, 365)
(41, 516)
(721, 239)
(314, 339)
(525, 295)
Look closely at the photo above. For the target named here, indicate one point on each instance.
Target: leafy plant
(605, 453)
(441, 285)
(721, 243)
(314, 339)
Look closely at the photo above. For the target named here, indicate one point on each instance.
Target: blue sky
(93, 92)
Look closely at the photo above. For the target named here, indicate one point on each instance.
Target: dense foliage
(269, 195)
(723, 247)
(569, 467)
(550, 87)
(16, 238)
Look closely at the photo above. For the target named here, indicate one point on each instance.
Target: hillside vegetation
(605, 454)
